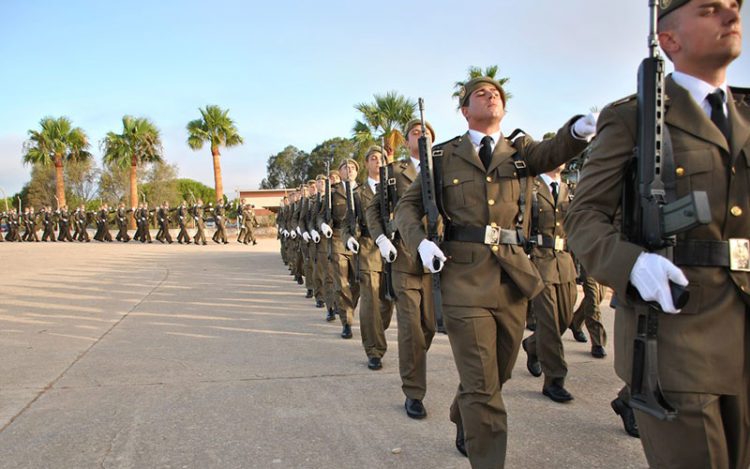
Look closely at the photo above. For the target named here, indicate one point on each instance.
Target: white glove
(315, 236)
(585, 127)
(327, 231)
(299, 232)
(286, 234)
(352, 245)
(387, 249)
(293, 234)
(651, 275)
(431, 255)
(306, 236)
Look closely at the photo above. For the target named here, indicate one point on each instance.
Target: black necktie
(716, 100)
(553, 184)
(485, 152)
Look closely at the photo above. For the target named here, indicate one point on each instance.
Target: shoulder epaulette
(442, 144)
(624, 100)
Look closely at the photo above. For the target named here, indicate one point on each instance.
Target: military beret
(334, 172)
(373, 149)
(349, 160)
(473, 84)
(415, 122)
(321, 177)
(668, 6)
(311, 182)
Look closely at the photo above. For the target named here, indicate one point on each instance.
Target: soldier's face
(485, 105)
(373, 164)
(412, 139)
(321, 185)
(702, 35)
(351, 171)
(335, 179)
(312, 189)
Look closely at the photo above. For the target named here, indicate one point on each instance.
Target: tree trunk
(133, 189)
(217, 174)
(59, 181)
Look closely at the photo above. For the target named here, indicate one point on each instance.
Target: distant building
(266, 201)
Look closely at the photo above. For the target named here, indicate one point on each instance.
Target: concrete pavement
(136, 356)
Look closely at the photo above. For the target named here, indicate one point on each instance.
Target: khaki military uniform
(323, 276)
(704, 351)
(553, 307)
(342, 262)
(588, 311)
(485, 288)
(412, 284)
(374, 310)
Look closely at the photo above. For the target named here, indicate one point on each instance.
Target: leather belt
(490, 235)
(712, 253)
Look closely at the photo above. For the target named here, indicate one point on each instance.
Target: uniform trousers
(347, 293)
(375, 313)
(588, 312)
(485, 344)
(416, 327)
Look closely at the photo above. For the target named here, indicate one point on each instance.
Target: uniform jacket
(703, 348)
(338, 217)
(369, 255)
(407, 260)
(554, 266)
(475, 196)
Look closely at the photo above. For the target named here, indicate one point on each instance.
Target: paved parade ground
(156, 356)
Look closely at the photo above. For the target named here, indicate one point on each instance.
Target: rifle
(386, 194)
(327, 215)
(427, 174)
(652, 218)
(351, 215)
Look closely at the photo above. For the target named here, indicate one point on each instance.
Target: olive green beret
(475, 83)
(334, 172)
(311, 182)
(668, 6)
(349, 160)
(373, 149)
(415, 122)
(321, 177)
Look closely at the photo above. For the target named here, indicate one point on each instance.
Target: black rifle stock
(387, 187)
(652, 218)
(431, 210)
(351, 215)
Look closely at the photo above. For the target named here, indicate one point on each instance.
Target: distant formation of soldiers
(68, 226)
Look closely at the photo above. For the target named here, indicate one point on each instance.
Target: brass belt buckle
(491, 235)
(739, 254)
(559, 243)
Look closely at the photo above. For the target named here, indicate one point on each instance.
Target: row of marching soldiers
(65, 225)
(341, 240)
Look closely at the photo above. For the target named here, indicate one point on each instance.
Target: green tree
(56, 143)
(138, 144)
(191, 190)
(80, 177)
(335, 150)
(161, 184)
(285, 169)
(384, 118)
(216, 128)
(476, 72)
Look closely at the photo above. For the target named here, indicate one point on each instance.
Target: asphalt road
(155, 356)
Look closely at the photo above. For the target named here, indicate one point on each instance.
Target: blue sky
(291, 72)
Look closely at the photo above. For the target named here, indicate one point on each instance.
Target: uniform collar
(476, 137)
(699, 89)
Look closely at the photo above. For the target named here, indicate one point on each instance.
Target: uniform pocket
(459, 189)
(507, 178)
(693, 170)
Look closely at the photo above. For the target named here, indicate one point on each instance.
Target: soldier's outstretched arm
(546, 155)
(592, 219)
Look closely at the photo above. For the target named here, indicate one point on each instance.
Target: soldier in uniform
(489, 279)
(249, 223)
(182, 215)
(305, 226)
(553, 308)
(703, 350)
(30, 224)
(588, 312)
(220, 235)
(144, 221)
(162, 215)
(48, 224)
(103, 216)
(375, 310)
(200, 226)
(415, 312)
(342, 262)
(320, 256)
(121, 217)
(63, 217)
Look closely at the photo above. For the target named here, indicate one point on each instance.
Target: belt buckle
(739, 254)
(559, 243)
(491, 235)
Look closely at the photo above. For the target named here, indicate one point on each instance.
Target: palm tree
(57, 142)
(218, 129)
(476, 72)
(139, 143)
(383, 118)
